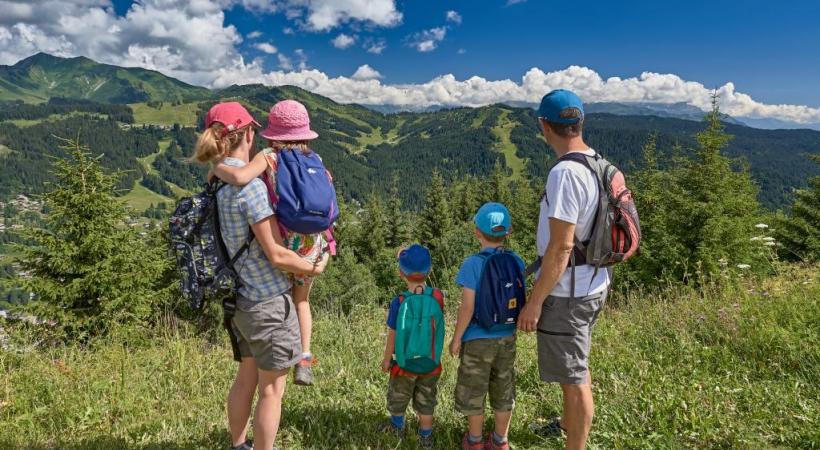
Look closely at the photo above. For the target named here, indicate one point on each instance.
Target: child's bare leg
(300, 298)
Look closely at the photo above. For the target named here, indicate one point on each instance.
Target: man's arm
(553, 264)
(465, 316)
(279, 256)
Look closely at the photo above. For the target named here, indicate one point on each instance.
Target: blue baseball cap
(556, 107)
(415, 260)
(493, 219)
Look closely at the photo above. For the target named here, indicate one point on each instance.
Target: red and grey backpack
(616, 229)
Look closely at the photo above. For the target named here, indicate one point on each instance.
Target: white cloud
(375, 46)
(453, 16)
(287, 30)
(461, 51)
(254, 34)
(324, 15)
(266, 48)
(365, 72)
(343, 41)
(427, 40)
(189, 40)
(514, 2)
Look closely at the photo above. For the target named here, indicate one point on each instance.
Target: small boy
(414, 267)
(487, 355)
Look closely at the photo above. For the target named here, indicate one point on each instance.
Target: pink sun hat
(288, 121)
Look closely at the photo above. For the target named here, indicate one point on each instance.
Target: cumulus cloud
(189, 40)
(453, 16)
(254, 34)
(343, 41)
(365, 72)
(427, 40)
(266, 48)
(375, 46)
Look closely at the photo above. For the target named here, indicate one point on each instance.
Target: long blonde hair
(214, 143)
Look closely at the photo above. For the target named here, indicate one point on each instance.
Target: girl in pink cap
(288, 130)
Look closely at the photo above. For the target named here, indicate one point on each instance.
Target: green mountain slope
(364, 148)
(42, 76)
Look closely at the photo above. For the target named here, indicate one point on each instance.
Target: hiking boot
(303, 372)
(426, 441)
(489, 444)
(247, 445)
(551, 429)
(389, 428)
(467, 445)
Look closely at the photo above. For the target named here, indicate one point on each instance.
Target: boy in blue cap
(422, 388)
(487, 356)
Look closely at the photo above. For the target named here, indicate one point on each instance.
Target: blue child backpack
(307, 199)
(501, 290)
(420, 331)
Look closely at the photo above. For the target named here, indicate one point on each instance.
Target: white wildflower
(769, 244)
(761, 226)
(743, 266)
(757, 238)
(768, 239)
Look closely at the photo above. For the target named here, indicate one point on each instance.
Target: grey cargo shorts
(564, 337)
(268, 331)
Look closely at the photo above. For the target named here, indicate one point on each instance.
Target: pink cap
(288, 121)
(231, 114)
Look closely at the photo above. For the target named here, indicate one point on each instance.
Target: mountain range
(131, 113)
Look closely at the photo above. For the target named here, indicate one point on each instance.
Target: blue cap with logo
(493, 219)
(415, 261)
(558, 107)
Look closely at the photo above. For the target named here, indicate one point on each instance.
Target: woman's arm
(240, 176)
(279, 256)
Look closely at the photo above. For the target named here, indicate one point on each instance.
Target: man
(265, 323)
(564, 306)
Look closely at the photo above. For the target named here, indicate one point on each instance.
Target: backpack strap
(437, 295)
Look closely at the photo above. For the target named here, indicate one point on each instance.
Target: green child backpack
(420, 331)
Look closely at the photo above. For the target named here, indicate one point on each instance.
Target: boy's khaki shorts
(422, 390)
(487, 366)
(268, 331)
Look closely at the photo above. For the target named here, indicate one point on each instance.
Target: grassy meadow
(735, 368)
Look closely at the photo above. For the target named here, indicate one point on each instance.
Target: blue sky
(758, 55)
(769, 51)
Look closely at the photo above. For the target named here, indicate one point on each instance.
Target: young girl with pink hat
(288, 130)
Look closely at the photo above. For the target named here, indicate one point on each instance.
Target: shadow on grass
(216, 438)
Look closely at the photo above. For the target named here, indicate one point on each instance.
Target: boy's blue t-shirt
(468, 277)
(393, 313)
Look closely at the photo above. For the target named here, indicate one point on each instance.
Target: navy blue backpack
(307, 199)
(501, 290)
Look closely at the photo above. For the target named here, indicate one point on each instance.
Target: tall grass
(737, 368)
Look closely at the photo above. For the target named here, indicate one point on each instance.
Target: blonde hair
(214, 143)
(289, 145)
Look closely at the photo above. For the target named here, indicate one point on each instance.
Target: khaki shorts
(422, 390)
(487, 366)
(268, 331)
(565, 335)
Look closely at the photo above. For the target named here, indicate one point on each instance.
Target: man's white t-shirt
(572, 196)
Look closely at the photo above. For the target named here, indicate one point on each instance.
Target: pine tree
(712, 208)
(435, 216)
(398, 230)
(466, 195)
(799, 233)
(88, 269)
(373, 238)
(500, 191)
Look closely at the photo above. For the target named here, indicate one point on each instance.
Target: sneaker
(388, 427)
(247, 445)
(303, 372)
(426, 441)
(489, 444)
(551, 429)
(467, 445)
